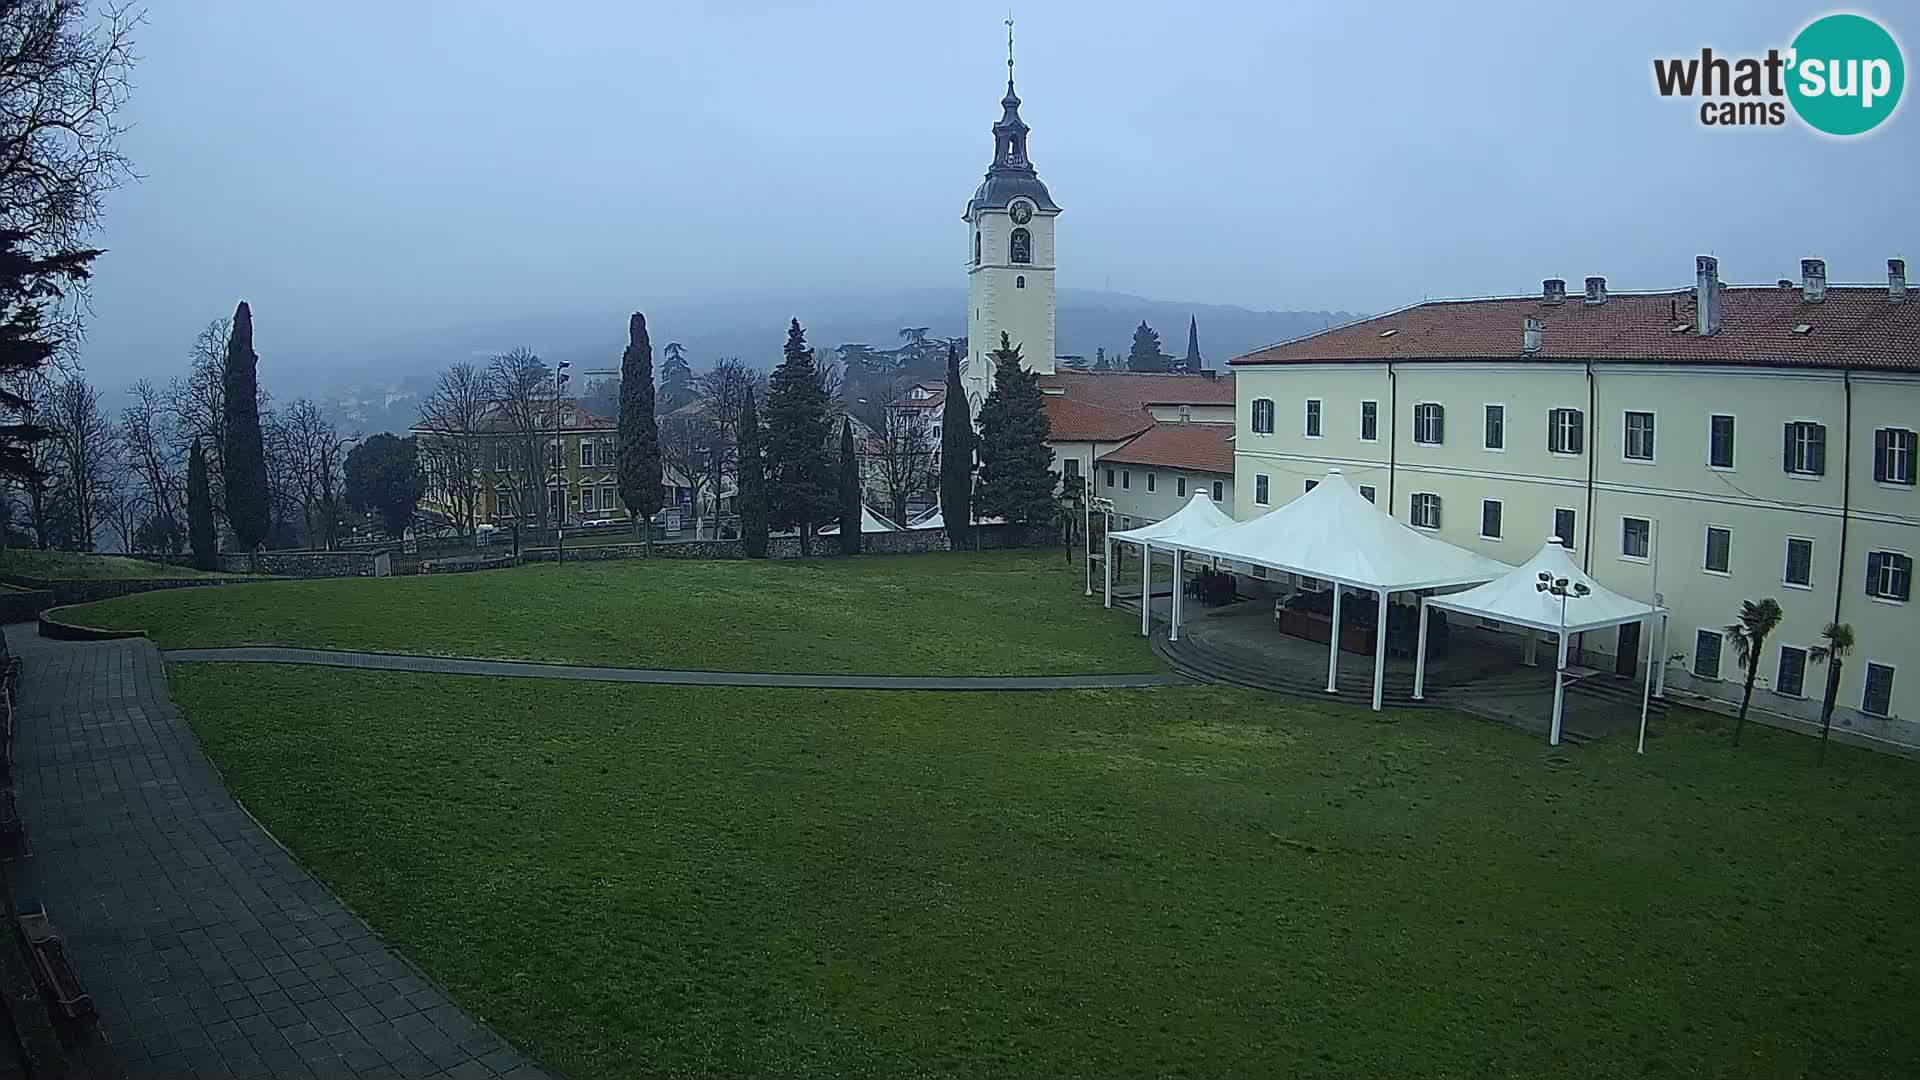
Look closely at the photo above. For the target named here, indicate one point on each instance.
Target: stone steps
(1209, 665)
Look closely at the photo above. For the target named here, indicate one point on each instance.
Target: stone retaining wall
(904, 542)
(22, 605)
(295, 564)
(63, 591)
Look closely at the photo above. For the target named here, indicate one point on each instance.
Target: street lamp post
(1105, 508)
(1086, 525)
(559, 467)
(1561, 588)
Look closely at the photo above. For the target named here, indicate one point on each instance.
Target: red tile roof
(1072, 420)
(1135, 390)
(1201, 447)
(1855, 325)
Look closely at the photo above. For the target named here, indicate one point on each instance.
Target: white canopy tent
(1198, 518)
(1551, 594)
(870, 522)
(1335, 534)
(935, 519)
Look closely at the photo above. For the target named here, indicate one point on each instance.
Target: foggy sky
(356, 170)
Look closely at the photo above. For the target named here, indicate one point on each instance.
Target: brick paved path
(208, 952)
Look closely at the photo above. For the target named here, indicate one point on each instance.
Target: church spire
(1010, 134)
(1193, 362)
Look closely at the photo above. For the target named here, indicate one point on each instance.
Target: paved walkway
(207, 951)
(269, 654)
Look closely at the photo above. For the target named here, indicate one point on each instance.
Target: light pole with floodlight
(1561, 588)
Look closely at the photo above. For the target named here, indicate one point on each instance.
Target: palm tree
(1749, 637)
(1837, 644)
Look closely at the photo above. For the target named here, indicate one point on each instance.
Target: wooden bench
(13, 831)
(47, 951)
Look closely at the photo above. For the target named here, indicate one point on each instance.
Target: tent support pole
(1106, 570)
(1146, 590)
(1420, 656)
(1333, 646)
(1646, 686)
(1380, 653)
(1532, 658)
(1660, 672)
(1559, 692)
(1179, 582)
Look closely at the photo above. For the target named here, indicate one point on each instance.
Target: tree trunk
(1826, 708)
(1746, 698)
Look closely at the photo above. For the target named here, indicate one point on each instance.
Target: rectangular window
(1367, 492)
(1429, 424)
(1636, 537)
(1566, 431)
(1889, 575)
(607, 500)
(586, 454)
(1262, 416)
(1792, 677)
(1369, 421)
(1804, 452)
(1313, 418)
(1490, 518)
(1564, 521)
(1109, 477)
(1426, 511)
(1719, 549)
(1720, 441)
(1260, 489)
(1893, 454)
(1311, 484)
(1070, 469)
(1180, 487)
(1799, 561)
(1126, 479)
(1496, 438)
(1639, 436)
(1877, 698)
(1706, 654)
(1219, 490)
(1153, 481)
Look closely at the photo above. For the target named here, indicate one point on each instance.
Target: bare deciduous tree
(150, 455)
(83, 445)
(197, 402)
(457, 412)
(722, 391)
(309, 450)
(906, 457)
(523, 395)
(689, 442)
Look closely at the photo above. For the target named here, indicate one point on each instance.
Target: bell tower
(1010, 255)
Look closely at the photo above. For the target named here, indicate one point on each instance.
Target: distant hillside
(381, 389)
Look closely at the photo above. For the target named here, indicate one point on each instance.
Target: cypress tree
(243, 457)
(1016, 477)
(956, 457)
(200, 510)
(751, 494)
(639, 430)
(851, 502)
(800, 485)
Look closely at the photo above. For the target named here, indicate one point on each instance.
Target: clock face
(1022, 213)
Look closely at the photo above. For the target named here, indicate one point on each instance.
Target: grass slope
(949, 614)
(73, 564)
(1180, 882)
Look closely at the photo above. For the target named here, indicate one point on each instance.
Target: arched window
(1022, 246)
(1020, 282)
(976, 248)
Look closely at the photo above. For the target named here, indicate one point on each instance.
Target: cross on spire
(1009, 48)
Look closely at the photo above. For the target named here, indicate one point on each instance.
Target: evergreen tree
(751, 474)
(29, 283)
(243, 456)
(676, 379)
(200, 510)
(800, 484)
(1145, 354)
(384, 480)
(851, 502)
(956, 457)
(1100, 359)
(639, 430)
(1016, 478)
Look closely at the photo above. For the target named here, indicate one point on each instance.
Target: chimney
(1897, 280)
(1706, 294)
(1786, 283)
(1554, 290)
(1530, 335)
(1596, 290)
(1813, 280)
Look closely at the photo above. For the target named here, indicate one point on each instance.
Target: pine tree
(639, 465)
(800, 483)
(751, 474)
(1100, 359)
(1016, 479)
(29, 285)
(851, 503)
(956, 457)
(1145, 354)
(676, 379)
(243, 456)
(200, 510)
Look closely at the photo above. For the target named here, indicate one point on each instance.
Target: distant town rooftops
(1070, 419)
(1134, 390)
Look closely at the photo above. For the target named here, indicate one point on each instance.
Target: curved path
(208, 951)
(448, 665)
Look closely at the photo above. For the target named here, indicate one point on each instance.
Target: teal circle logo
(1846, 74)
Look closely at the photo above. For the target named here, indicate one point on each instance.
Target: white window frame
(1627, 556)
(1500, 511)
(1706, 549)
(1799, 474)
(1911, 454)
(1415, 517)
(1253, 420)
(1733, 440)
(1779, 663)
(586, 454)
(1418, 424)
(1262, 490)
(1719, 656)
(1126, 479)
(1626, 436)
(1313, 420)
(1888, 597)
(1572, 543)
(1153, 481)
(607, 497)
(1554, 431)
(1786, 565)
(1375, 437)
(1866, 671)
(1484, 409)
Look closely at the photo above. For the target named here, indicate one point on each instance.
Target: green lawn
(950, 614)
(1181, 882)
(75, 564)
